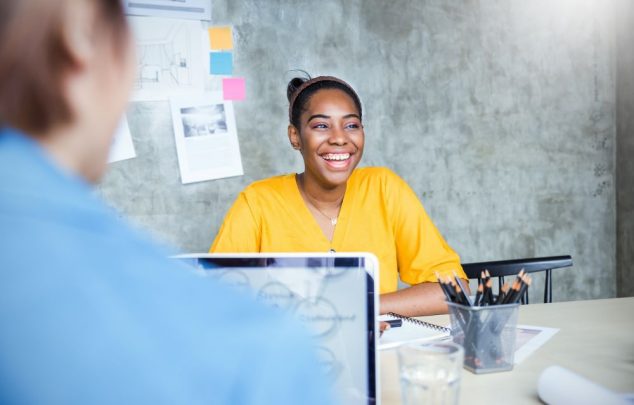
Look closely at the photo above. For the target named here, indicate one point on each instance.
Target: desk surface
(595, 340)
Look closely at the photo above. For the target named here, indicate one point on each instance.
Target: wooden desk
(595, 340)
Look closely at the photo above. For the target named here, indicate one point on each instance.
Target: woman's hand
(383, 326)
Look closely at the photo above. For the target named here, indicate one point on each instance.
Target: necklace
(333, 220)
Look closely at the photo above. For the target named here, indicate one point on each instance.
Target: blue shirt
(92, 313)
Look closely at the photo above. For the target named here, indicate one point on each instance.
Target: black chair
(505, 268)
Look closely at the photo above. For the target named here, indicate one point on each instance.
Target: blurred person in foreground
(91, 312)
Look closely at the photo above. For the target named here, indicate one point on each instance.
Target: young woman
(90, 311)
(333, 205)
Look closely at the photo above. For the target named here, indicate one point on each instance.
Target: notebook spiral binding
(421, 323)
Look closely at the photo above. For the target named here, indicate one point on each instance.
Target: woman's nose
(338, 136)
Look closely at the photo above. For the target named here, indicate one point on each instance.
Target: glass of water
(430, 372)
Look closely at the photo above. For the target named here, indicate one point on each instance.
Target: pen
(395, 323)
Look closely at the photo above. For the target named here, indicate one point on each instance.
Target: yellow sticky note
(220, 38)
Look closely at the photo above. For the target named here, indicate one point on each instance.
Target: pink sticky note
(233, 88)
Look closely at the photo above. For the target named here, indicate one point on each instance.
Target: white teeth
(336, 156)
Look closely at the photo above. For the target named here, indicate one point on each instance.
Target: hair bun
(293, 85)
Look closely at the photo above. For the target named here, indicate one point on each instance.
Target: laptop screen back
(333, 295)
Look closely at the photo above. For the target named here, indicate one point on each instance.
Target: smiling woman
(333, 205)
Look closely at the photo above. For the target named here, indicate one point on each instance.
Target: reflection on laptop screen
(332, 294)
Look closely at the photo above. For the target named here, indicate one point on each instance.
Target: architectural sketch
(170, 55)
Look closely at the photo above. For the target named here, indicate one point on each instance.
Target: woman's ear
(293, 137)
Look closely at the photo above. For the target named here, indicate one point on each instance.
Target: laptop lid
(333, 294)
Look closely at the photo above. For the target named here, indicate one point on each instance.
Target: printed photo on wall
(204, 120)
(206, 137)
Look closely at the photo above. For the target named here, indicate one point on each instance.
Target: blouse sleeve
(420, 248)
(240, 230)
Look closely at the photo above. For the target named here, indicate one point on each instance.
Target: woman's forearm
(417, 300)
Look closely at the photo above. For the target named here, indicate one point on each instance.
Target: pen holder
(487, 335)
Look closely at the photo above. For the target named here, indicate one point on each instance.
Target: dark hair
(35, 59)
(305, 94)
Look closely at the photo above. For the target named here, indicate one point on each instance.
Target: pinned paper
(206, 137)
(122, 147)
(220, 38)
(233, 88)
(171, 57)
(220, 63)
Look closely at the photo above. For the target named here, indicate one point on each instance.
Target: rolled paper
(558, 385)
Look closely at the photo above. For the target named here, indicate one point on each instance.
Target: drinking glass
(430, 372)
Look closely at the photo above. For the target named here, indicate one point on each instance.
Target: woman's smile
(337, 160)
(336, 156)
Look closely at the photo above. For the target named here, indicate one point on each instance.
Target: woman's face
(330, 137)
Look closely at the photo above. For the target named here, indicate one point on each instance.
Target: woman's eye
(352, 126)
(320, 126)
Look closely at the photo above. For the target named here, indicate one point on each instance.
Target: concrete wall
(625, 148)
(500, 115)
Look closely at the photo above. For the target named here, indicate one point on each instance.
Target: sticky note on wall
(221, 63)
(220, 38)
(233, 88)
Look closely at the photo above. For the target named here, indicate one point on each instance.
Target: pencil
(463, 288)
(502, 295)
(520, 275)
(461, 297)
(510, 297)
(489, 292)
(478, 295)
(526, 282)
(444, 287)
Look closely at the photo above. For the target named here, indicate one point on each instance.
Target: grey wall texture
(499, 114)
(625, 148)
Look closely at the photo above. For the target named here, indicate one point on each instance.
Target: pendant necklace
(333, 220)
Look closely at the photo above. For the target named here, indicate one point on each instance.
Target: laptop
(333, 294)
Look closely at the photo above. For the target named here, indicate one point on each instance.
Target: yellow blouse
(380, 214)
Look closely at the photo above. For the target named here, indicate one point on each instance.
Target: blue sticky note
(221, 63)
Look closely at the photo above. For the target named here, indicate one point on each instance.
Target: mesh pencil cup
(487, 335)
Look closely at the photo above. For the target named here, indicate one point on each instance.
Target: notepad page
(407, 333)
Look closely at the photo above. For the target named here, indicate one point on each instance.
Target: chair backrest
(503, 268)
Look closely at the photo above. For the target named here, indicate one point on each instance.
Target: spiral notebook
(411, 330)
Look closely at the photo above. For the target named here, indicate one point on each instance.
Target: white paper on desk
(171, 57)
(206, 137)
(529, 339)
(560, 386)
(122, 147)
